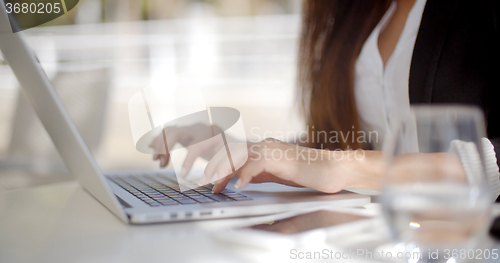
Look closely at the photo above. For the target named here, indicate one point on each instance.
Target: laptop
(145, 197)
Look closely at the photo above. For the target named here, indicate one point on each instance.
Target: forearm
(369, 172)
(362, 168)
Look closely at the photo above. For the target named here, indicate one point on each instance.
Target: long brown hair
(333, 33)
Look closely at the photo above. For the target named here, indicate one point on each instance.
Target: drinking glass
(435, 195)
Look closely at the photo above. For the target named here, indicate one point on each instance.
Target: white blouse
(382, 92)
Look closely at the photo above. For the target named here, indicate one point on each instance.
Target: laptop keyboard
(157, 190)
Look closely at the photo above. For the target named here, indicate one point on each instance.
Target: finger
(163, 161)
(157, 142)
(239, 155)
(248, 172)
(157, 153)
(223, 170)
(220, 184)
(271, 170)
(166, 140)
(164, 143)
(220, 166)
(160, 155)
(191, 156)
(209, 177)
(212, 166)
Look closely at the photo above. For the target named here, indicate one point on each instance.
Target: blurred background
(242, 52)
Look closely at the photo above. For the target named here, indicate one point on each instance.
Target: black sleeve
(494, 123)
(494, 118)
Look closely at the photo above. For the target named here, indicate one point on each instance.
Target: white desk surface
(63, 223)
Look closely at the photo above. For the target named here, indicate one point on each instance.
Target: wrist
(363, 169)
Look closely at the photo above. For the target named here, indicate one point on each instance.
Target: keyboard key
(156, 190)
(186, 201)
(221, 198)
(193, 194)
(168, 193)
(204, 200)
(234, 195)
(175, 195)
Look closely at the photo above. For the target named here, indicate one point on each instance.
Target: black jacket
(457, 56)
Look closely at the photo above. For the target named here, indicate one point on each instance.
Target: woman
(363, 62)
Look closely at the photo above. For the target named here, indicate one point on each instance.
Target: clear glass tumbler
(435, 195)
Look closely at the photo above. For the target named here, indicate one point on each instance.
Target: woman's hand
(186, 136)
(275, 161)
(426, 168)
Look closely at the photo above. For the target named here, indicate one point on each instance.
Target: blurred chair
(84, 93)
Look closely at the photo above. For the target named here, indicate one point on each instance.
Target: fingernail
(213, 189)
(184, 172)
(162, 161)
(203, 180)
(238, 183)
(155, 156)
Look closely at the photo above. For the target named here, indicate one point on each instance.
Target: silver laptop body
(137, 198)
